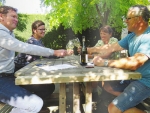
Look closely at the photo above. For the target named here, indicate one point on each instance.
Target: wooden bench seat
(146, 104)
(4, 108)
(53, 101)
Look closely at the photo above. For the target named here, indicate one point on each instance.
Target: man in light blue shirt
(138, 45)
(22, 100)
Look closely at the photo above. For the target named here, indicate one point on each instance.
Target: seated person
(106, 38)
(38, 32)
(137, 43)
(22, 59)
(22, 100)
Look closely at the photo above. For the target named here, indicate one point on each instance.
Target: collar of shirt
(2, 27)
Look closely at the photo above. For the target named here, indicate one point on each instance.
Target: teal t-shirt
(139, 44)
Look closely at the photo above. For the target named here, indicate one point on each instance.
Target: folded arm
(131, 63)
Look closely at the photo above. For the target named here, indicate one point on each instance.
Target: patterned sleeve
(113, 40)
(29, 57)
(31, 41)
(99, 43)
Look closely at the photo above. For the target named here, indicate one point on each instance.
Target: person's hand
(70, 52)
(98, 61)
(89, 50)
(60, 53)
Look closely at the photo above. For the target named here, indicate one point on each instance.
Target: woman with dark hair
(106, 38)
(38, 31)
(106, 33)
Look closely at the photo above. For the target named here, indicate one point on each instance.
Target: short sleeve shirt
(139, 44)
(111, 41)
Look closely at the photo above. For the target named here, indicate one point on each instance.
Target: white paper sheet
(57, 67)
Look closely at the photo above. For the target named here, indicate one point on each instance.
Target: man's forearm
(131, 63)
(99, 51)
(105, 50)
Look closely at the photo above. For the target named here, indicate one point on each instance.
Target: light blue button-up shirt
(9, 44)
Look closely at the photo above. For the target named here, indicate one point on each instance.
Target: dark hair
(106, 29)
(36, 24)
(5, 9)
(143, 11)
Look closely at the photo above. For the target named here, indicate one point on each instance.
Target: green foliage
(22, 22)
(58, 38)
(2, 2)
(70, 18)
(55, 39)
(71, 14)
(83, 14)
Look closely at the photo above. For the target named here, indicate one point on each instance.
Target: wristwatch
(106, 63)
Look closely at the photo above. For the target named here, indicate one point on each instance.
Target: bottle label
(86, 58)
(80, 59)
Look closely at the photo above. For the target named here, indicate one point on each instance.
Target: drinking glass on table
(70, 46)
(76, 42)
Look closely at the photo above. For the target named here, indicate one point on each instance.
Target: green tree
(83, 14)
(2, 2)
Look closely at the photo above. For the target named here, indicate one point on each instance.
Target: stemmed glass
(70, 46)
(76, 42)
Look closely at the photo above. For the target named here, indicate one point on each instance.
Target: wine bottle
(83, 54)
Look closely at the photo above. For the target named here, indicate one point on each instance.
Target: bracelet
(106, 63)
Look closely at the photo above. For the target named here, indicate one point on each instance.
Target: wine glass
(76, 42)
(70, 46)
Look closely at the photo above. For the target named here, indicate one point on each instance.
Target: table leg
(62, 98)
(76, 98)
(88, 98)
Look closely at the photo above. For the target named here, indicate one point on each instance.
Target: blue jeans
(22, 100)
(132, 95)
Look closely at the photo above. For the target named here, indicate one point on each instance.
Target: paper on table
(57, 67)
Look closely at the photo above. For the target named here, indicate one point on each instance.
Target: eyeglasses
(128, 18)
(42, 29)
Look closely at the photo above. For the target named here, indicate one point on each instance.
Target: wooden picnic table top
(33, 74)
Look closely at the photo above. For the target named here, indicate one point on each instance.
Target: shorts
(132, 95)
(119, 85)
